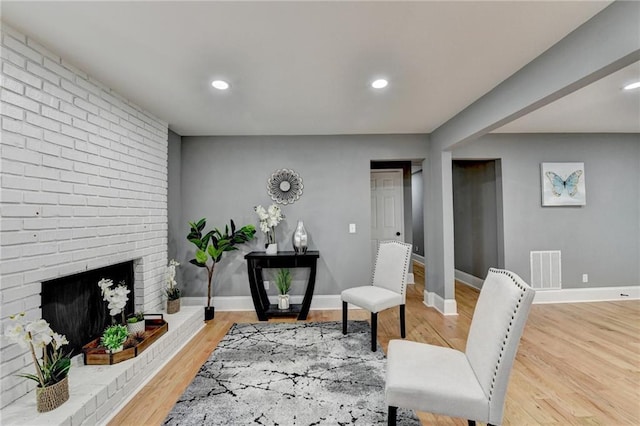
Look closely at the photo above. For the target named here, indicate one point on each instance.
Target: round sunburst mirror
(285, 186)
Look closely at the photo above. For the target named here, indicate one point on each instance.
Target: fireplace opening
(74, 306)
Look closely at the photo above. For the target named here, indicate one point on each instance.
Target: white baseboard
(595, 294)
(468, 279)
(444, 306)
(411, 278)
(567, 295)
(245, 303)
(432, 300)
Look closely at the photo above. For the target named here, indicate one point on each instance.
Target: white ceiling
(305, 67)
(602, 106)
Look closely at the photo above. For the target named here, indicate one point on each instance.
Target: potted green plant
(113, 337)
(52, 370)
(172, 291)
(135, 323)
(211, 246)
(283, 283)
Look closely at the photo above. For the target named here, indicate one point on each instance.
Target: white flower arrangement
(172, 290)
(116, 297)
(269, 219)
(54, 365)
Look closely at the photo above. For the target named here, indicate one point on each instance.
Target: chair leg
(403, 328)
(374, 331)
(391, 420)
(471, 422)
(344, 318)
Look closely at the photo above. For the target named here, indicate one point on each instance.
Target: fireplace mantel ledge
(98, 392)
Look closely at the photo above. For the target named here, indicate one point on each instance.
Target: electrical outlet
(266, 285)
(585, 278)
(352, 228)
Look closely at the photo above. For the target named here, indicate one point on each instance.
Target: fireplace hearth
(74, 307)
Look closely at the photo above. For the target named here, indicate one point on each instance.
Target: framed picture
(563, 184)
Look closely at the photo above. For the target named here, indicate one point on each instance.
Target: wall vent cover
(546, 270)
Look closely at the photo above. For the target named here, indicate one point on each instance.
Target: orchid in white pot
(115, 297)
(269, 219)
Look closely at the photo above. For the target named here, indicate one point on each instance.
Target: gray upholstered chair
(387, 289)
(470, 384)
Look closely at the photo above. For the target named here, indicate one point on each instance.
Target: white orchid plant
(115, 297)
(269, 219)
(54, 365)
(172, 290)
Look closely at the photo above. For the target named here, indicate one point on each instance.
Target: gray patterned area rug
(289, 374)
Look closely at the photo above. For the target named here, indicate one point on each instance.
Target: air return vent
(546, 270)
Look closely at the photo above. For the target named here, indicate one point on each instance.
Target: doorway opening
(397, 205)
(478, 226)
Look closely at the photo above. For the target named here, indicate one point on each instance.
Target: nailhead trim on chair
(406, 261)
(506, 336)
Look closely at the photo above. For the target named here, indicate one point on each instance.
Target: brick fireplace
(84, 186)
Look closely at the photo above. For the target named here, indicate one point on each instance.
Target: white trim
(432, 300)
(444, 306)
(468, 279)
(245, 303)
(411, 278)
(417, 258)
(594, 294)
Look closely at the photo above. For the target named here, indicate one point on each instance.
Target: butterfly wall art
(563, 184)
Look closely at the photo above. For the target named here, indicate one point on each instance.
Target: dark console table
(258, 260)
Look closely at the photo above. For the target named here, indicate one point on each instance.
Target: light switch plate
(352, 228)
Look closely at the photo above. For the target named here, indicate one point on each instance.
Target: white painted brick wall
(83, 185)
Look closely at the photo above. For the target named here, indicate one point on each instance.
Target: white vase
(136, 327)
(283, 301)
(116, 350)
(272, 248)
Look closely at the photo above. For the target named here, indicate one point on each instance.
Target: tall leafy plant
(212, 245)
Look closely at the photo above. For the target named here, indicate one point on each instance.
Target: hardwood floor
(577, 363)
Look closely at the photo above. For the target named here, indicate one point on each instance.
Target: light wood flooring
(577, 363)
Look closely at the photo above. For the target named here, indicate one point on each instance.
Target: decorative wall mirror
(285, 186)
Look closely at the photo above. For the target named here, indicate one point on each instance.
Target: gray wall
(417, 196)
(602, 238)
(174, 194)
(475, 216)
(225, 177)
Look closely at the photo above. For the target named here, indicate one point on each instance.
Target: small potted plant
(283, 283)
(135, 323)
(113, 338)
(172, 291)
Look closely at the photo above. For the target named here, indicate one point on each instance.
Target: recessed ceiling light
(632, 86)
(220, 84)
(380, 83)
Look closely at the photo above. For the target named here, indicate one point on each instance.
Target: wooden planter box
(94, 354)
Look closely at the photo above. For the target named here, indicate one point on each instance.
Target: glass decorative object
(300, 239)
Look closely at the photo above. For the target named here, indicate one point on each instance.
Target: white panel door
(387, 207)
